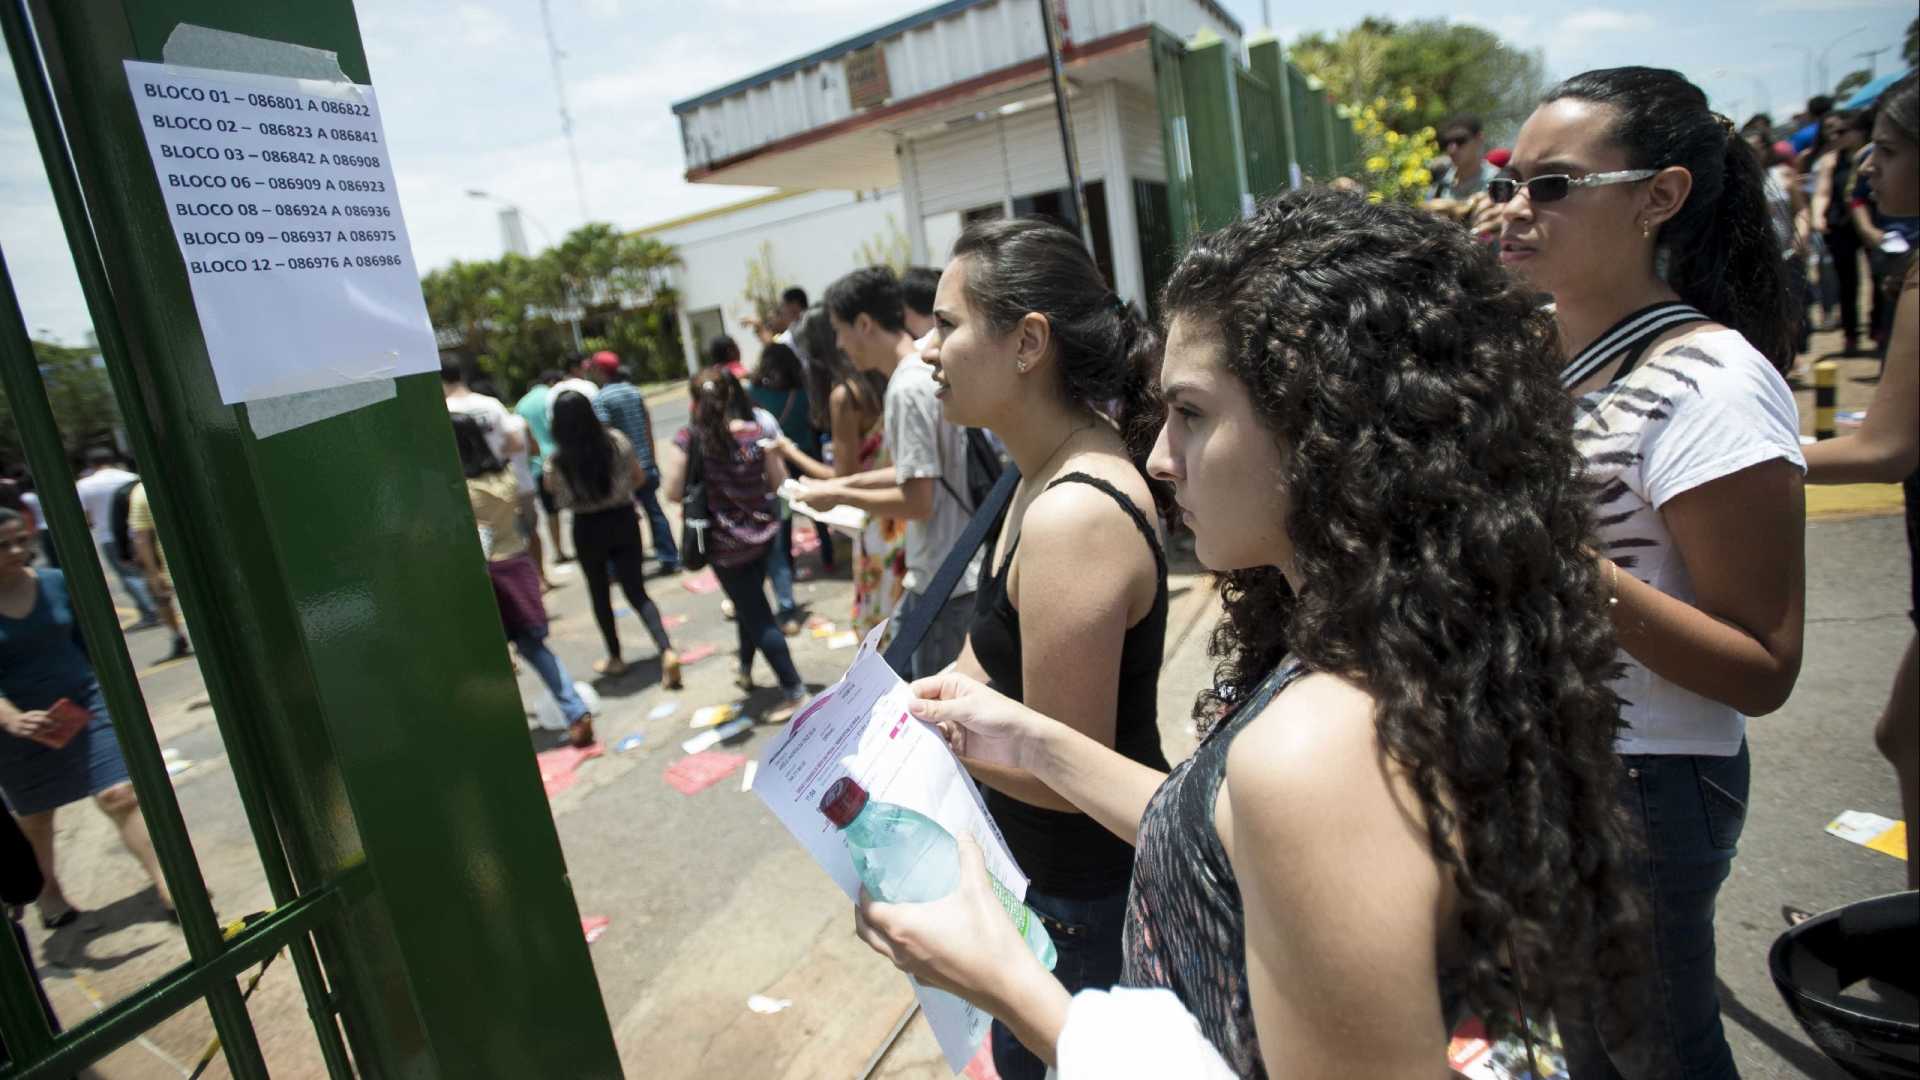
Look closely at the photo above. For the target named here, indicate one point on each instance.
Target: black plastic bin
(1851, 977)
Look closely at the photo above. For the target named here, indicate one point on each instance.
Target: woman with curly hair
(1402, 807)
(1647, 218)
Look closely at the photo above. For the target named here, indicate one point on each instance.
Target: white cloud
(1836, 5)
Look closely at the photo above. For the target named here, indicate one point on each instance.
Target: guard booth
(1180, 123)
(346, 633)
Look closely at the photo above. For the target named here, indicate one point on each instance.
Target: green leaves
(82, 399)
(513, 315)
(1448, 68)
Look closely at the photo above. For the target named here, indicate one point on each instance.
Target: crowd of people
(1502, 580)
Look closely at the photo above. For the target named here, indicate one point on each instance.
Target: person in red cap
(1499, 156)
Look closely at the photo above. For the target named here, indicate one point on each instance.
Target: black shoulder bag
(694, 516)
(907, 636)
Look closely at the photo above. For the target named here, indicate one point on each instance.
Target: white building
(811, 238)
(1179, 124)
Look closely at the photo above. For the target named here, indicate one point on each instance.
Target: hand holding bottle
(962, 943)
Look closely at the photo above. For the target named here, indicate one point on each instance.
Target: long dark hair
(778, 369)
(1722, 254)
(583, 449)
(1437, 520)
(718, 399)
(830, 368)
(1107, 354)
(476, 457)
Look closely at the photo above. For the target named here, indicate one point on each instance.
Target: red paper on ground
(693, 654)
(593, 926)
(701, 583)
(696, 772)
(672, 622)
(559, 769)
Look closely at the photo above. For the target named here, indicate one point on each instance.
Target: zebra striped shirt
(1702, 408)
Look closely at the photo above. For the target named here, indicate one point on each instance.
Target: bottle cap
(843, 801)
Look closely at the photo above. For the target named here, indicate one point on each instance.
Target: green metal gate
(347, 638)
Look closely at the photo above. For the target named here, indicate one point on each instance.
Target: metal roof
(861, 41)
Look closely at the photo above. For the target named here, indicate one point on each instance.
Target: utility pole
(1870, 56)
(1059, 80)
(554, 56)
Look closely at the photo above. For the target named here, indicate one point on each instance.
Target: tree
(514, 316)
(1448, 68)
(763, 284)
(1910, 50)
(1852, 81)
(82, 401)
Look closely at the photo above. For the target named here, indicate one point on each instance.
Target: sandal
(1795, 915)
(612, 665)
(670, 670)
(580, 732)
(65, 918)
(743, 679)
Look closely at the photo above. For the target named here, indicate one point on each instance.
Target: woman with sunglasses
(1646, 217)
(1402, 806)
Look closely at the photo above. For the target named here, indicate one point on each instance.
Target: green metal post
(1213, 133)
(1169, 79)
(238, 737)
(1269, 61)
(336, 569)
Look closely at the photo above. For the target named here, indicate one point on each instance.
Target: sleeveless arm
(1073, 624)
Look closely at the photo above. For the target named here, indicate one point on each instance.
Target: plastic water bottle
(905, 857)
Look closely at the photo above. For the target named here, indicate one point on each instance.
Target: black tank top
(1067, 854)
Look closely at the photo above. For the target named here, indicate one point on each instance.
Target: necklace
(1062, 445)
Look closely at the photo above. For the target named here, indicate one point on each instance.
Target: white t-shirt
(489, 413)
(96, 498)
(585, 387)
(522, 461)
(31, 501)
(1699, 410)
(925, 445)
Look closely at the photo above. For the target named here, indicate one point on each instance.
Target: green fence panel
(1214, 134)
(1260, 134)
(347, 628)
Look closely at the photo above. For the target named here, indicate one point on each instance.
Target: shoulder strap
(906, 638)
(1139, 519)
(1631, 335)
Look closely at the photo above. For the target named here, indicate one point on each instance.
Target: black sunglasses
(1546, 189)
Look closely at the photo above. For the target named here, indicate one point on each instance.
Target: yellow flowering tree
(1394, 164)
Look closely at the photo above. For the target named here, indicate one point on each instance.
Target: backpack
(122, 537)
(984, 466)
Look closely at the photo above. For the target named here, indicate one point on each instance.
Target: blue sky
(478, 110)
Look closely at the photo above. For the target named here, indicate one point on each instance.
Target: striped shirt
(622, 406)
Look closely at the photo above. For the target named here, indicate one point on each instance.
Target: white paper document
(281, 196)
(860, 728)
(848, 519)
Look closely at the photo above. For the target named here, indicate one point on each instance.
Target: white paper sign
(860, 728)
(282, 200)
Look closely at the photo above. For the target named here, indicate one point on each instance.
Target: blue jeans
(132, 580)
(746, 586)
(1690, 811)
(780, 569)
(552, 672)
(664, 549)
(1086, 934)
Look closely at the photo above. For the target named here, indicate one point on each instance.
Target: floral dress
(879, 554)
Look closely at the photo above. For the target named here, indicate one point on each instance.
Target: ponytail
(1729, 264)
(1721, 252)
(1107, 354)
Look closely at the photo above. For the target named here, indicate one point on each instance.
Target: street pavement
(710, 901)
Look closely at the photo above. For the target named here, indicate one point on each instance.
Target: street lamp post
(573, 306)
(1826, 80)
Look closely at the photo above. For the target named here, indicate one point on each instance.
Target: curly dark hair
(1438, 517)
